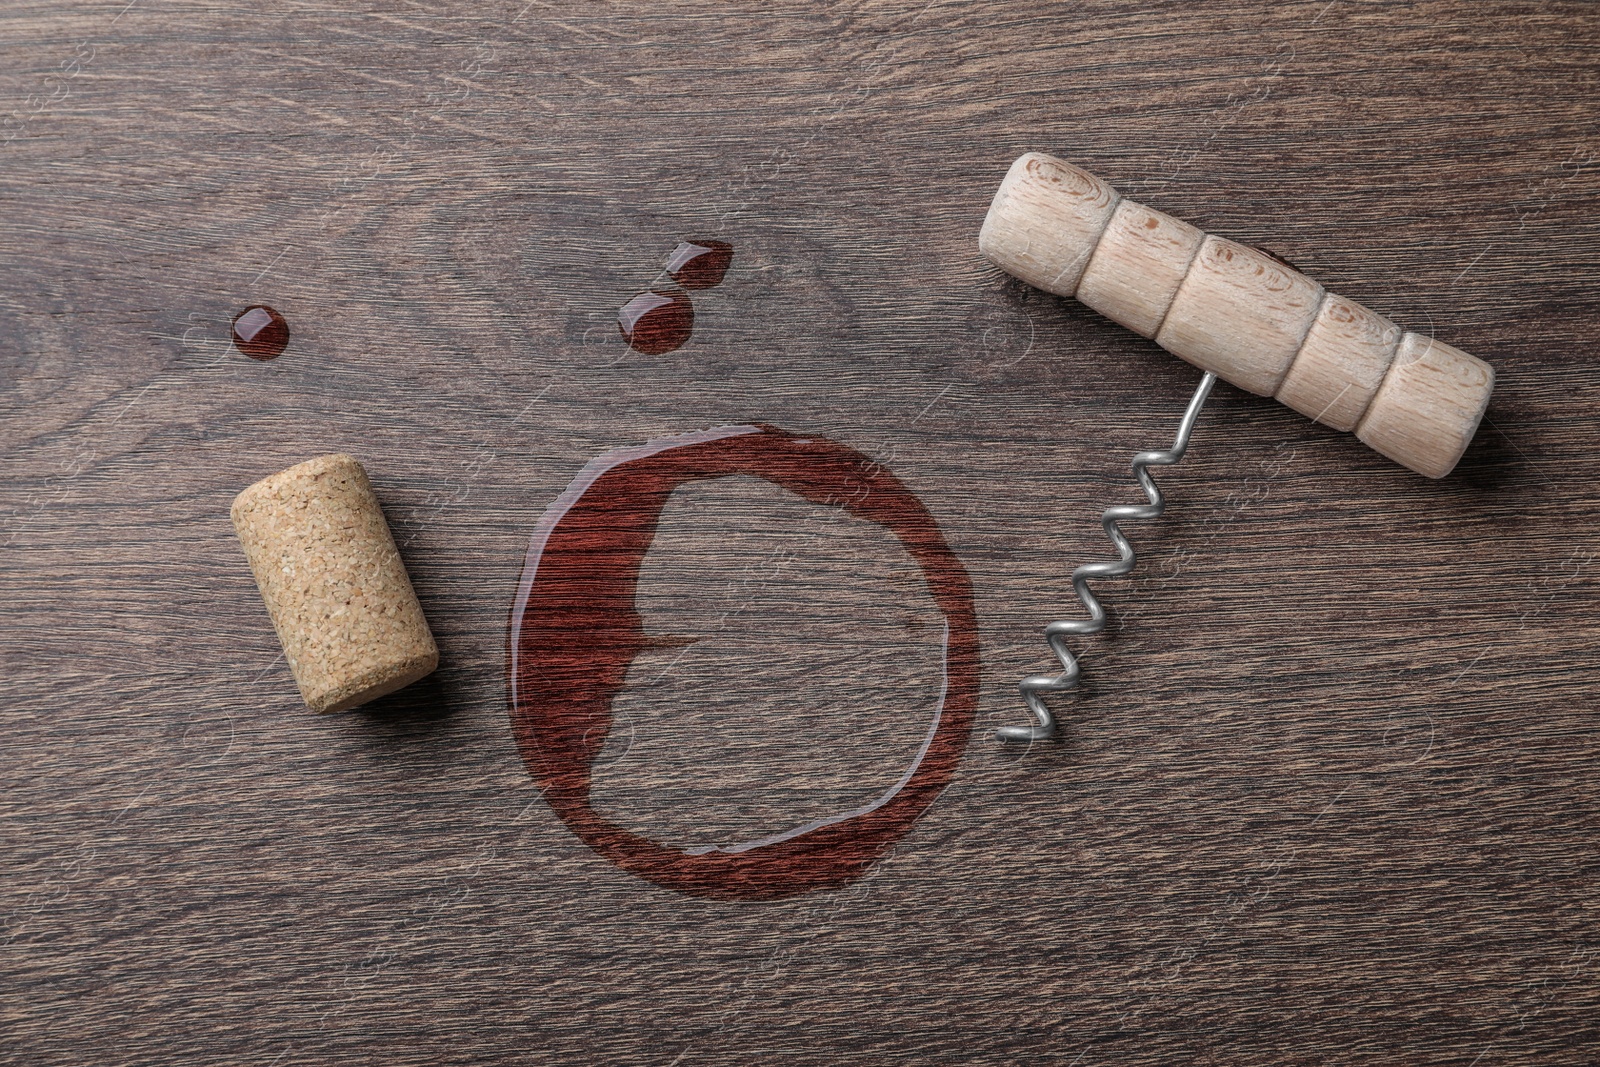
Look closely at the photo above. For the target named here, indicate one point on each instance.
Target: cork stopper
(338, 594)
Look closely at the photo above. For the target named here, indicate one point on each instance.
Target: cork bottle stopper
(334, 584)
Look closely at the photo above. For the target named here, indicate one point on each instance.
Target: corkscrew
(1057, 633)
(1236, 313)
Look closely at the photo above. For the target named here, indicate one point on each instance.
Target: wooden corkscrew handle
(1234, 310)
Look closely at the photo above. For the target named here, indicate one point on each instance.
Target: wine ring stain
(575, 628)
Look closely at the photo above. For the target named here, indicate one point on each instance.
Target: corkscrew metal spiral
(1056, 633)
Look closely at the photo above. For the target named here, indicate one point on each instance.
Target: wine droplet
(699, 264)
(260, 333)
(656, 322)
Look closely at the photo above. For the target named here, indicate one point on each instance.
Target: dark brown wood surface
(1328, 793)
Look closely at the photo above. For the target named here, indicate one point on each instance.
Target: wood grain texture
(1327, 794)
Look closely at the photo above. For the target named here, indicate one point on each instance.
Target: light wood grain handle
(1232, 309)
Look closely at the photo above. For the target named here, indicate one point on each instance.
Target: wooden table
(1328, 791)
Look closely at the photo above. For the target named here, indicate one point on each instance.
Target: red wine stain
(699, 264)
(575, 628)
(260, 333)
(656, 322)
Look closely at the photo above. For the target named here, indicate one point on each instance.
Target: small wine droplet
(656, 322)
(260, 333)
(699, 264)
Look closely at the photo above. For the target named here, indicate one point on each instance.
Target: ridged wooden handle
(1229, 308)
